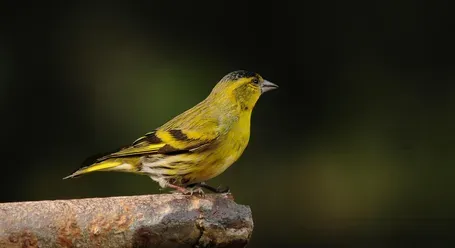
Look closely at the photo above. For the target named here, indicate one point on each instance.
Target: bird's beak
(267, 86)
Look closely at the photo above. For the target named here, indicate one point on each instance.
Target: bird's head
(243, 88)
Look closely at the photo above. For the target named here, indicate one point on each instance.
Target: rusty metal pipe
(165, 220)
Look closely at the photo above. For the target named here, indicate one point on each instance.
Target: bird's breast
(229, 148)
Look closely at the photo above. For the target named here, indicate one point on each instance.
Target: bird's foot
(196, 190)
(191, 190)
(178, 189)
(219, 189)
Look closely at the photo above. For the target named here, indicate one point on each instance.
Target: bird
(195, 146)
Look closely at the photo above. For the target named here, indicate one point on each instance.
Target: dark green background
(356, 148)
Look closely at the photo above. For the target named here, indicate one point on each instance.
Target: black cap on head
(240, 74)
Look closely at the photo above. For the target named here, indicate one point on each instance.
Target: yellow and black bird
(198, 144)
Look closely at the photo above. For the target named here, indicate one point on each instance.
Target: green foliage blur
(355, 149)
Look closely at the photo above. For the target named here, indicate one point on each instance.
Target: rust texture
(165, 220)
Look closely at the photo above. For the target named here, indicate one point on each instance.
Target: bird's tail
(107, 165)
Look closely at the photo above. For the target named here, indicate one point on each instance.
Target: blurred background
(355, 149)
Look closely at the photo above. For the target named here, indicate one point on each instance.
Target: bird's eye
(255, 81)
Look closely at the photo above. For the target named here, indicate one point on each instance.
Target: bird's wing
(169, 141)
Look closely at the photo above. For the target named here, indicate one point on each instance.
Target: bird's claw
(197, 190)
(219, 189)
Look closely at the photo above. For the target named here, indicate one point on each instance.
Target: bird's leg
(178, 188)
